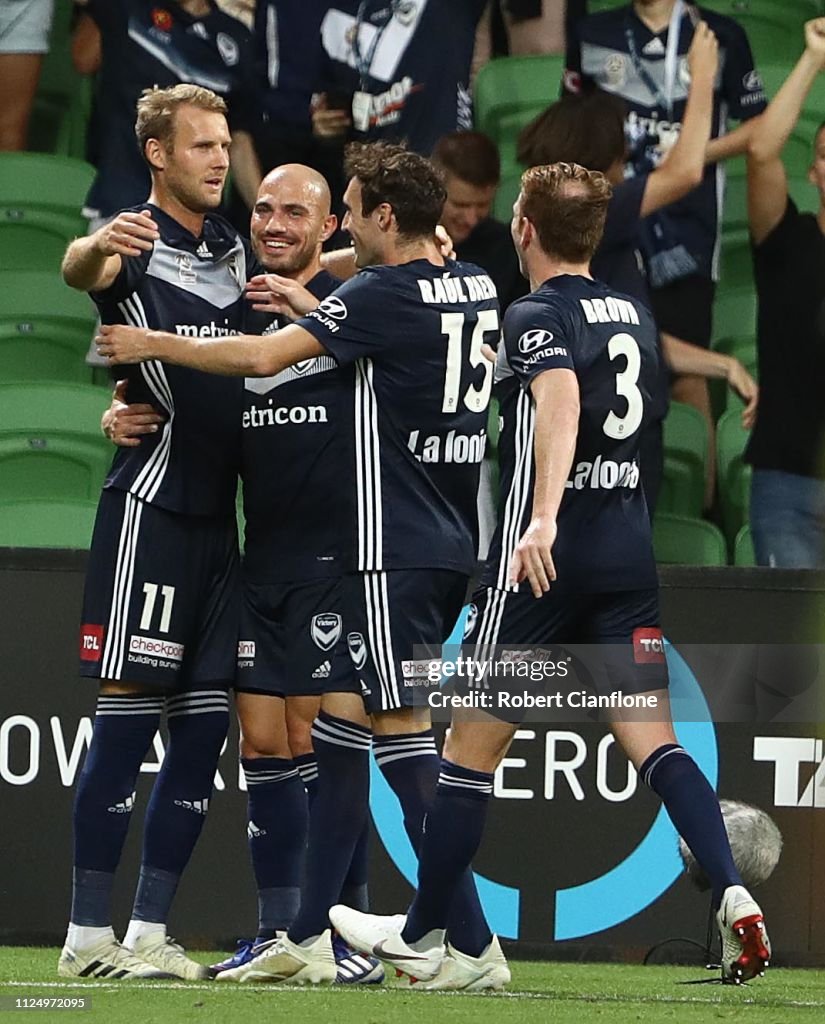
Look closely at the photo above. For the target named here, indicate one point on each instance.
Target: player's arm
(767, 182)
(92, 263)
(240, 355)
(683, 358)
(556, 395)
(684, 166)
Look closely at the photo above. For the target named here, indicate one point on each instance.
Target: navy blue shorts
(615, 636)
(395, 621)
(161, 606)
(292, 641)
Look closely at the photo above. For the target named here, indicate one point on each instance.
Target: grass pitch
(550, 993)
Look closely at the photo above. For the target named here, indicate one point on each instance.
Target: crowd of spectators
(648, 91)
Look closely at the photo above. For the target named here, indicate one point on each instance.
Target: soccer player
(292, 645)
(576, 373)
(414, 326)
(161, 605)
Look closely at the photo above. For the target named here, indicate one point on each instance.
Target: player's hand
(271, 293)
(815, 38)
(444, 242)
(703, 55)
(748, 390)
(533, 560)
(118, 343)
(129, 234)
(125, 424)
(326, 123)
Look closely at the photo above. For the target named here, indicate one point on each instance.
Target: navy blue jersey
(193, 287)
(288, 59)
(293, 449)
(617, 52)
(147, 43)
(610, 341)
(418, 411)
(411, 57)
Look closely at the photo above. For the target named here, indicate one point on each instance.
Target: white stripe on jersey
(115, 643)
(368, 471)
(520, 486)
(150, 478)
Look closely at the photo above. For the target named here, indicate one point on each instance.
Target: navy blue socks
(123, 731)
(694, 809)
(339, 812)
(410, 764)
(452, 834)
(197, 723)
(277, 831)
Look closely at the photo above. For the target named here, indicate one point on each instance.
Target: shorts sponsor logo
(91, 642)
(325, 630)
(648, 646)
(420, 672)
(246, 654)
(156, 648)
(357, 650)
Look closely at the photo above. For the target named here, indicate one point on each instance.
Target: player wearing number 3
(575, 377)
(414, 326)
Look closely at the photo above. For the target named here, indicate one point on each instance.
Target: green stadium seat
(743, 554)
(45, 328)
(686, 442)
(41, 198)
(736, 262)
(47, 524)
(63, 99)
(734, 475)
(740, 346)
(508, 130)
(511, 85)
(774, 27)
(506, 195)
(678, 491)
(734, 312)
(683, 540)
(51, 445)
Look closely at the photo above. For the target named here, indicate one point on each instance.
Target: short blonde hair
(156, 111)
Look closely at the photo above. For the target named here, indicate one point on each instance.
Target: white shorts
(25, 25)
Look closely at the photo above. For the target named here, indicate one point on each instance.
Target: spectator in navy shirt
(397, 70)
(639, 53)
(589, 130)
(136, 44)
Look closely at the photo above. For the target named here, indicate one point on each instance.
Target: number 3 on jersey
(452, 324)
(620, 427)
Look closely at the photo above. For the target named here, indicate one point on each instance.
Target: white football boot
(107, 959)
(285, 962)
(746, 949)
(471, 973)
(381, 937)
